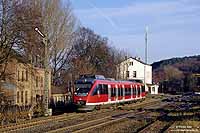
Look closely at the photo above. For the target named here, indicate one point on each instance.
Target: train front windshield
(82, 89)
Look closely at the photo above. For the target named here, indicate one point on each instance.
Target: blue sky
(174, 25)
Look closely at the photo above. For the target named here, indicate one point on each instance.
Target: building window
(26, 97)
(153, 89)
(127, 74)
(22, 96)
(42, 81)
(130, 63)
(36, 81)
(134, 74)
(18, 75)
(18, 97)
(22, 76)
(27, 75)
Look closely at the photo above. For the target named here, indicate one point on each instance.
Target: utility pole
(146, 54)
(46, 77)
(146, 45)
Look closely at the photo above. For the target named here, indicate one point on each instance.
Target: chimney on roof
(137, 58)
(126, 57)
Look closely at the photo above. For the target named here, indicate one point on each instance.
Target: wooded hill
(190, 64)
(178, 73)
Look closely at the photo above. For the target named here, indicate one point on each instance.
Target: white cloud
(108, 19)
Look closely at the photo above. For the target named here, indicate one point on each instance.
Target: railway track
(89, 125)
(97, 123)
(143, 104)
(60, 122)
(153, 127)
(34, 120)
(157, 127)
(45, 126)
(30, 124)
(33, 123)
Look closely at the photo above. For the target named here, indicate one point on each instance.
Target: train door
(100, 93)
(136, 91)
(103, 88)
(113, 93)
(143, 91)
(117, 94)
(127, 92)
(120, 92)
(140, 91)
(109, 93)
(131, 91)
(95, 95)
(123, 92)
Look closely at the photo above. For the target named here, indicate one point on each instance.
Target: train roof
(91, 76)
(91, 80)
(118, 81)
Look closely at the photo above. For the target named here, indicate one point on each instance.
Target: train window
(138, 90)
(100, 87)
(95, 90)
(104, 89)
(143, 89)
(82, 89)
(119, 91)
(134, 90)
(122, 91)
(127, 91)
(113, 92)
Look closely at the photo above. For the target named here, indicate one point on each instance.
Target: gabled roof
(16, 55)
(135, 60)
(59, 89)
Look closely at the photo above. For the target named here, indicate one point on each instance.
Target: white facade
(134, 69)
(153, 89)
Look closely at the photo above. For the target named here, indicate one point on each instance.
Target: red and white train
(92, 91)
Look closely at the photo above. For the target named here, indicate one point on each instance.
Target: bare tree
(28, 16)
(10, 36)
(93, 55)
(171, 73)
(59, 24)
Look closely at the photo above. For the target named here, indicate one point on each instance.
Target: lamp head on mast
(38, 31)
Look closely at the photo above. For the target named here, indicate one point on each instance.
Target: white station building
(135, 69)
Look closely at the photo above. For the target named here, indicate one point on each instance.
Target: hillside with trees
(182, 72)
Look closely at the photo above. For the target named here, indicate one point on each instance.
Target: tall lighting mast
(46, 75)
(146, 54)
(146, 44)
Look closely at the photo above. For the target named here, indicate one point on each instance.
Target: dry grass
(186, 126)
(124, 126)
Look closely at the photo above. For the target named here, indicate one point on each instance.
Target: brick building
(60, 94)
(24, 83)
